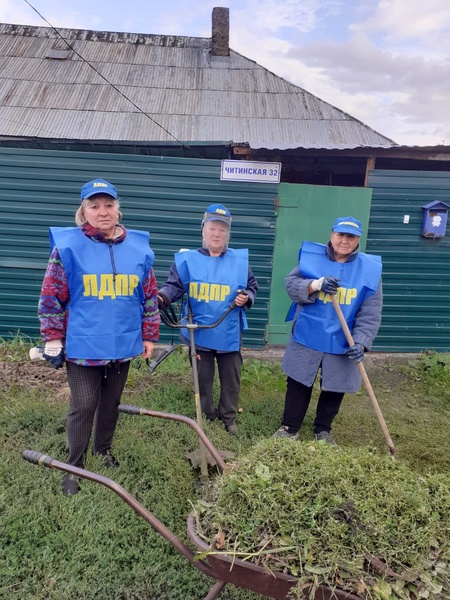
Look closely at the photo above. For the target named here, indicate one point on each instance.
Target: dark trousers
(95, 392)
(297, 401)
(229, 366)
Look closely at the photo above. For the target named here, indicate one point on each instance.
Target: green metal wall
(166, 196)
(306, 212)
(416, 270)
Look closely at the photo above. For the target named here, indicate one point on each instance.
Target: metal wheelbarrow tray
(218, 566)
(255, 578)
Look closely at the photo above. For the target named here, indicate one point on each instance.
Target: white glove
(53, 347)
(316, 284)
(54, 353)
(328, 285)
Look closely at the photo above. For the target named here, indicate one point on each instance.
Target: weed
(16, 349)
(256, 372)
(433, 370)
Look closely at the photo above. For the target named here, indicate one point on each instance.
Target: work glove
(54, 353)
(355, 352)
(327, 285)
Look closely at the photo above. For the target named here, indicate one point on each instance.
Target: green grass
(93, 545)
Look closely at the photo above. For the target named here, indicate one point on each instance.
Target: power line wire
(182, 144)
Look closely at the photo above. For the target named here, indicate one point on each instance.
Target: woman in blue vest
(98, 310)
(317, 340)
(213, 277)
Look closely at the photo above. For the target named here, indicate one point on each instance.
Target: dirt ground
(372, 359)
(32, 374)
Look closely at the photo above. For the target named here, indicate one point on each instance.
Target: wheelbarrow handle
(136, 410)
(41, 459)
(37, 458)
(130, 409)
(364, 376)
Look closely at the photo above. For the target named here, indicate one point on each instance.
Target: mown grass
(93, 545)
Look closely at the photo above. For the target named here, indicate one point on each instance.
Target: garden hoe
(365, 378)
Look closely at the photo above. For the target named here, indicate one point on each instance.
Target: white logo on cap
(348, 223)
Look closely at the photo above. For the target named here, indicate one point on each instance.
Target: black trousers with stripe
(95, 394)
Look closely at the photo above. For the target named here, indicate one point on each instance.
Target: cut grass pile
(330, 516)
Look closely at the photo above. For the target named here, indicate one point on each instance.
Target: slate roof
(175, 89)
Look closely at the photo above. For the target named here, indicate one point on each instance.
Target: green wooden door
(306, 212)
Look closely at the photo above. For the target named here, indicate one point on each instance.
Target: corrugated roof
(175, 80)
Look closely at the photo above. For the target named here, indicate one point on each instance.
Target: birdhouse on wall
(435, 219)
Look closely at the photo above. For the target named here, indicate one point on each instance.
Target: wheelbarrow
(218, 566)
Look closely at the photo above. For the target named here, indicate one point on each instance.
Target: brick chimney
(220, 31)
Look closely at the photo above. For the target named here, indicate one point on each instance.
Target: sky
(384, 62)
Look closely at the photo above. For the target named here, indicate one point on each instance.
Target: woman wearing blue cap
(317, 340)
(213, 277)
(98, 309)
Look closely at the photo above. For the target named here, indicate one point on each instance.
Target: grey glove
(355, 352)
(327, 285)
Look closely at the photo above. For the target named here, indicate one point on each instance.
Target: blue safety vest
(317, 325)
(211, 283)
(106, 293)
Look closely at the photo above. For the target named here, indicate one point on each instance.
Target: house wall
(163, 195)
(416, 270)
(167, 196)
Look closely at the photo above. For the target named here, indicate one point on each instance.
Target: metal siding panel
(416, 270)
(166, 196)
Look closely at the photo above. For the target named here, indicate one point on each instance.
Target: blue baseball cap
(98, 186)
(348, 225)
(217, 212)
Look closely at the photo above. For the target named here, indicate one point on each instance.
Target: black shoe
(70, 485)
(109, 460)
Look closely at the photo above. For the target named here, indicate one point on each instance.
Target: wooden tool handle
(365, 378)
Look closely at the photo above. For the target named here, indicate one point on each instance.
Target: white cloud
(391, 73)
(270, 16)
(407, 19)
(12, 11)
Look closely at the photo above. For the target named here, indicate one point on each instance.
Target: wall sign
(245, 170)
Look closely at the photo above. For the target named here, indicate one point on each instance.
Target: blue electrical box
(435, 219)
